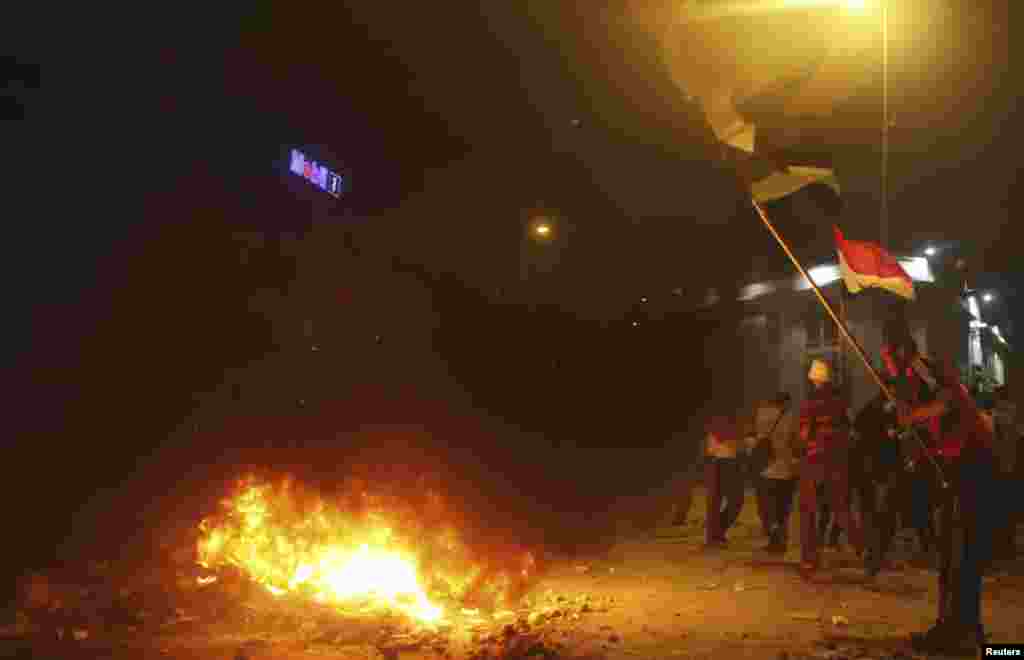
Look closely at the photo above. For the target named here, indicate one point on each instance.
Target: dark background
(144, 143)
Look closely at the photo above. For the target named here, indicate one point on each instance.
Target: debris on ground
(103, 602)
(805, 616)
(173, 601)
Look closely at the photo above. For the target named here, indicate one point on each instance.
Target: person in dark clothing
(1005, 422)
(878, 477)
(751, 463)
(920, 489)
(966, 508)
(917, 493)
(779, 495)
(723, 478)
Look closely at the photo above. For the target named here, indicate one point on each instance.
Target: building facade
(785, 327)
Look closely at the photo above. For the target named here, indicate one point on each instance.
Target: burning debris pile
(352, 573)
(359, 552)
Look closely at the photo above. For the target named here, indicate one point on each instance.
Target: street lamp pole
(884, 210)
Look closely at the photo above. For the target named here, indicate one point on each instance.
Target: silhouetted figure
(776, 466)
(723, 479)
(877, 473)
(1005, 421)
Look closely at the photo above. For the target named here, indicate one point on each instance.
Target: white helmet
(820, 372)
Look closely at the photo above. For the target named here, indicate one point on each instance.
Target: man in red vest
(825, 432)
(936, 398)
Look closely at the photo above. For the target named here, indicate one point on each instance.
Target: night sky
(141, 150)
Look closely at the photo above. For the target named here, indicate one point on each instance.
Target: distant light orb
(643, 299)
(930, 251)
(543, 227)
(636, 324)
(988, 297)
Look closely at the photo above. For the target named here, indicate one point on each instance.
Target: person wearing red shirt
(825, 432)
(964, 452)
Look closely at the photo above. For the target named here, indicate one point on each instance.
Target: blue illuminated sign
(317, 174)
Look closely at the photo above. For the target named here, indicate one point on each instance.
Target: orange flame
(371, 555)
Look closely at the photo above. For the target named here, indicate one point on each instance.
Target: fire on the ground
(358, 551)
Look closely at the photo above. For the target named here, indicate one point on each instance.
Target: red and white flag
(866, 265)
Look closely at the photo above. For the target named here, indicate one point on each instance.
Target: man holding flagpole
(966, 508)
(932, 399)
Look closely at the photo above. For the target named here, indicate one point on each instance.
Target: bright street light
(542, 227)
(988, 297)
(930, 251)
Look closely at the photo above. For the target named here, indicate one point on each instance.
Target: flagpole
(850, 339)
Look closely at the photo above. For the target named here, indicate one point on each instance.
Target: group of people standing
(925, 453)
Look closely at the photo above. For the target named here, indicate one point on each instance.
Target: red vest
(823, 422)
(969, 431)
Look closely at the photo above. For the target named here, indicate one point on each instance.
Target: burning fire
(360, 553)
